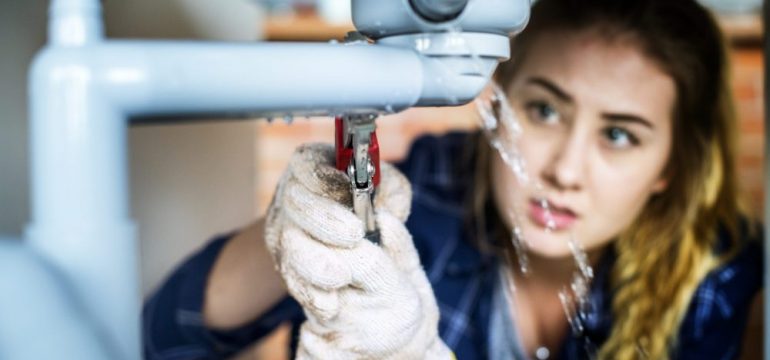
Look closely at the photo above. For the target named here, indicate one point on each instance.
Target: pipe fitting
(438, 10)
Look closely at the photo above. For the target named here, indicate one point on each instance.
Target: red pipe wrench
(358, 154)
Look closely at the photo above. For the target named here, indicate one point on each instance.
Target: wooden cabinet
(303, 27)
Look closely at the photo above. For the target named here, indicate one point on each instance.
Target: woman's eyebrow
(551, 87)
(627, 118)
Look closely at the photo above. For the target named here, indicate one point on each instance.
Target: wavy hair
(670, 247)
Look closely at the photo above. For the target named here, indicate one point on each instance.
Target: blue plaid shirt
(463, 280)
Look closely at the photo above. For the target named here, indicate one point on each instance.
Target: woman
(628, 134)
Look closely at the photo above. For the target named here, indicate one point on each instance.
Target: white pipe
(40, 318)
(177, 77)
(86, 96)
(80, 206)
(75, 22)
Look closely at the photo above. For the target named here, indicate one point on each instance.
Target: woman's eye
(620, 138)
(542, 112)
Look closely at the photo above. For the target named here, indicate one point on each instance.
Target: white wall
(188, 182)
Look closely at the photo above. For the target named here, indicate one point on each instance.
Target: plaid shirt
(463, 280)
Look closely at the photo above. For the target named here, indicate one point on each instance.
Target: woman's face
(597, 132)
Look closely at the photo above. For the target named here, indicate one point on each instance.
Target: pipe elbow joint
(454, 81)
(456, 66)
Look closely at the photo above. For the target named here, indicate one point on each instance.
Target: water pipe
(84, 89)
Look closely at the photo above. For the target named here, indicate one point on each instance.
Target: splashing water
(577, 294)
(503, 132)
(575, 299)
(498, 118)
(581, 258)
(550, 223)
(500, 126)
(570, 310)
(520, 245)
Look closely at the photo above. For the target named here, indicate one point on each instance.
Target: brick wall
(748, 77)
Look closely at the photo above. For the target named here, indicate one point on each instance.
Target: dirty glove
(361, 300)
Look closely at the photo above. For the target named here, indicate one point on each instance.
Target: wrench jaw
(358, 155)
(363, 205)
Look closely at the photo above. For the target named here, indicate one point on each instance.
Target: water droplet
(544, 204)
(581, 258)
(288, 119)
(422, 44)
(520, 245)
(579, 287)
(576, 300)
(542, 353)
(550, 225)
(568, 305)
(509, 283)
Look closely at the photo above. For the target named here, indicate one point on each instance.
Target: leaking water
(520, 246)
(571, 311)
(503, 131)
(580, 258)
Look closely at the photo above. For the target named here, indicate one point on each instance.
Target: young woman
(628, 132)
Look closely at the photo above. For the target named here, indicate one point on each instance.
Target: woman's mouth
(549, 216)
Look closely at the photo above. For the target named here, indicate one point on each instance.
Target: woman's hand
(361, 300)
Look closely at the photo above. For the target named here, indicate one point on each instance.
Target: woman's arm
(243, 283)
(218, 302)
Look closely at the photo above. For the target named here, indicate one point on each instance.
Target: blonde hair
(671, 246)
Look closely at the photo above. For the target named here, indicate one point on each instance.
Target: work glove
(361, 300)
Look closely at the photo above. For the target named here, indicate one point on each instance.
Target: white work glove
(362, 301)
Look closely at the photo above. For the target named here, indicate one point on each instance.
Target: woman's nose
(565, 169)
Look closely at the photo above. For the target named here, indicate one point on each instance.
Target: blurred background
(192, 180)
